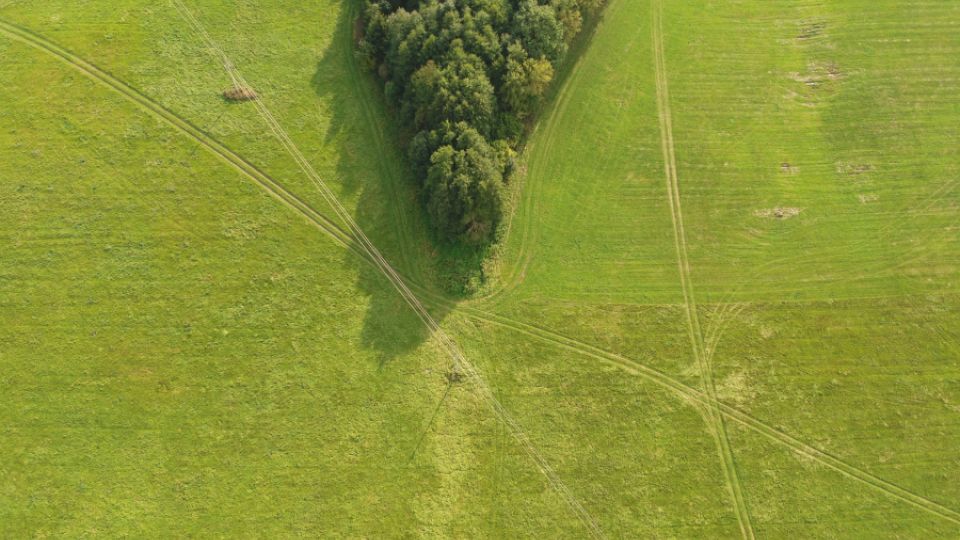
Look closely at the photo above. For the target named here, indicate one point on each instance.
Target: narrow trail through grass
(461, 364)
(699, 398)
(704, 346)
(688, 394)
(700, 354)
(260, 178)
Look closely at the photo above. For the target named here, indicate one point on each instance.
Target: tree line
(465, 76)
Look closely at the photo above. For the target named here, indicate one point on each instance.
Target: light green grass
(161, 360)
(836, 326)
(182, 355)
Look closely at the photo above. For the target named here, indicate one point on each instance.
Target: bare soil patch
(240, 93)
(811, 29)
(787, 168)
(780, 212)
(853, 168)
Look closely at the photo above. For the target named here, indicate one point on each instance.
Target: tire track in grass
(683, 391)
(530, 201)
(461, 365)
(528, 205)
(408, 247)
(260, 178)
(700, 399)
(714, 418)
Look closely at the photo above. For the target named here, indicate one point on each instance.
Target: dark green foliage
(463, 185)
(525, 79)
(463, 75)
(539, 32)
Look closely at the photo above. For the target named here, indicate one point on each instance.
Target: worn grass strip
(699, 398)
(693, 323)
(461, 364)
(260, 178)
(408, 248)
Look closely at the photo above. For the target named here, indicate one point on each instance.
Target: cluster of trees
(464, 76)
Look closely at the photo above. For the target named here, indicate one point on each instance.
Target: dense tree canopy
(463, 75)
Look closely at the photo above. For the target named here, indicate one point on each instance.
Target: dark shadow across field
(391, 326)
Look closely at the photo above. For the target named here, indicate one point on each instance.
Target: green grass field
(727, 304)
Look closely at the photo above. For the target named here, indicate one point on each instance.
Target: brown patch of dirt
(787, 168)
(780, 212)
(818, 74)
(868, 198)
(240, 93)
(810, 30)
(853, 168)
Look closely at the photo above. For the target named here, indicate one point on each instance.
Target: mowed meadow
(727, 302)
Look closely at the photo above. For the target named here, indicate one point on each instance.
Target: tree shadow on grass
(371, 169)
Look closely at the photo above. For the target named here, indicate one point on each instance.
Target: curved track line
(715, 419)
(530, 204)
(461, 364)
(716, 328)
(408, 243)
(187, 128)
(699, 398)
(528, 209)
(170, 118)
(339, 236)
